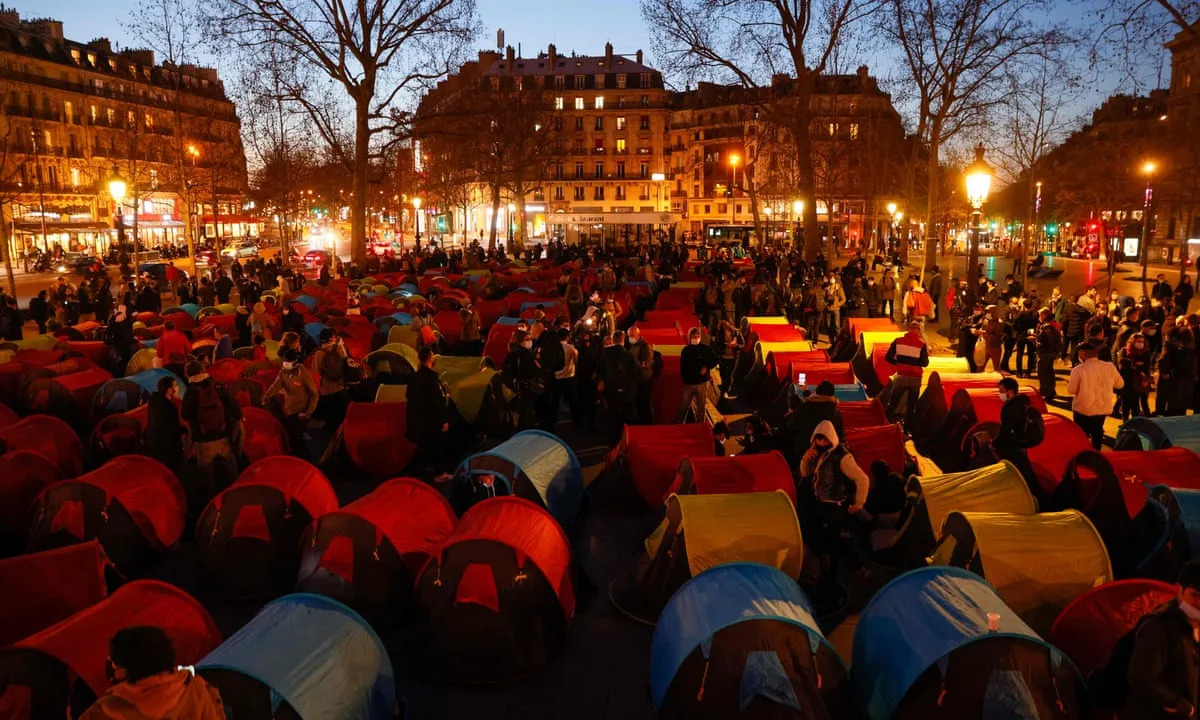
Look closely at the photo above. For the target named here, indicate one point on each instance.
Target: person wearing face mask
(298, 395)
(519, 373)
(1021, 427)
(1134, 362)
(833, 487)
(696, 362)
(618, 378)
(910, 356)
(643, 360)
(148, 685)
(1154, 672)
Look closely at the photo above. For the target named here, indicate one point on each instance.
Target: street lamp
(117, 187)
(798, 215)
(979, 184)
(658, 179)
(511, 209)
(416, 202)
(734, 161)
(1148, 169)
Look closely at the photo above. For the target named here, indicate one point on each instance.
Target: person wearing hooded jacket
(834, 487)
(821, 406)
(1050, 345)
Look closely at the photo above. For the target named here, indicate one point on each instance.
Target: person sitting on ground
(148, 685)
(720, 433)
(759, 437)
(886, 503)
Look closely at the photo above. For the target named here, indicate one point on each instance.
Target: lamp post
(416, 202)
(658, 179)
(798, 214)
(512, 208)
(117, 187)
(1148, 169)
(891, 238)
(734, 161)
(979, 183)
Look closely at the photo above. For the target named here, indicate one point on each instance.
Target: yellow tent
(948, 365)
(227, 308)
(391, 393)
(403, 335)
(750, 527)
(767, 320)
(37, 342)
(870, 339)
(142, 360)
(763, 349)
(382, 355)
(466, 381)
(669, 350)
(995, 488)
(1037, 563)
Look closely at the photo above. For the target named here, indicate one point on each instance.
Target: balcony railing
(598, 151)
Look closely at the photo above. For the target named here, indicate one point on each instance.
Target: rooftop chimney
(553, 55)
(639, 57)
(510, 55)
(608, 53)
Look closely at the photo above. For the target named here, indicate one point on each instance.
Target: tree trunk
(7, 250)
(932, 237)
(362, 188)
(1183, 242)
(495, 214)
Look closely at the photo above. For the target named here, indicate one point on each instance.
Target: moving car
(242, 249)
(317, 258)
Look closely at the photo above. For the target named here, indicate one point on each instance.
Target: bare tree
(14, 154)
(750, 42)
(956, 53)
(372, 50)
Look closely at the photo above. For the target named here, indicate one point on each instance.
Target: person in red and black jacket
(910, 356)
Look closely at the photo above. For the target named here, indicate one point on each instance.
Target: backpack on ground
(210, 411)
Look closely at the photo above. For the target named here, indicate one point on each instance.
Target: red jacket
(173, 347)
(908, 354)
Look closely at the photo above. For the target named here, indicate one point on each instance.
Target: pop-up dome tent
(934, 402)
(703, 531)
(971, 410)
(883, 442)
(249, 535)
(303, 656)
(870, 360)
(922, 649)
(148, 379)
(24, 474)
(393, 363)
(1088, 629)
(264, 435)
(1037, 563)
(1143, 433)
(995, 488)
(649, 455)
(765, 472)
(48, 436)
(741, 640)
(68, 397)
(1063, 441)
(495, 601)
(63, 666)
(532, 464)
(227, 370)
(132, 504)
(369, 553)
(41, 589)
(849, 339)
(862, 413)
(8, 416)
(374, 437)
(117, 396)
(121, 434)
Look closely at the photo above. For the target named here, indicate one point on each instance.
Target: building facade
(76, 114)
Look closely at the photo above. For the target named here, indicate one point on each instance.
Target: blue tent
(509, 320)
(117, 396)
(307, 301)
(530, 460)
(844, 393)
(917, 620)
(313, 330)
(720, 598)
(312, 652)
(148, 379)
(1144, 433)
(190, 308)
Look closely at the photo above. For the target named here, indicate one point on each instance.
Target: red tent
(733, 475)
(8, 416)
(779, 363)
(38, 358)
(862, 413)
(41, 589)
(815, 373)
(49, 436)
(987, 403)
(369, 553)
(249, 535)
(677, 299)
(776, 333)
(652, 454)
(120, 434)
(66, 396)
(265, 436)
(81, 641)
(489, 311)
(94, 350)
(132, 504)
(374, 437)
(883, 442)
(496, 346)
(23, 476)
(226, 370)
(666, 391)
(502, 579)
(858, 326)
(450, 323)
(683, 319)
(1088, 629)
(1064, 440)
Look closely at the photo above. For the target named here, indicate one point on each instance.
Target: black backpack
(1035, 428)
(1108, 684)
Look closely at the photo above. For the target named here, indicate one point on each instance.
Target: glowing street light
(416, 203)
(1148, 170)
(979, 184)
(512, 208)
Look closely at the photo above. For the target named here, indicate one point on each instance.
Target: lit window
(832, 129)
(621, 123)
(154, 179)
(75, 177)
(75, 56)
(558, 103)
(49, 139)
(599, 102)
(621, 145)
(853, 131)
(130, 118)
(578, 103)
(599, 81)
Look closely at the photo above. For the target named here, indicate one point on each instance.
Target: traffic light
(1051, 229)
(1093, 227)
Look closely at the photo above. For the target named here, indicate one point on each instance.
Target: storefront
(614, 227)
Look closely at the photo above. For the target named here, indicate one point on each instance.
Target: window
(695, 209)
(599, 170)
(560, 82)
(495, 83)
(580, 82)
(853, 131)
(832, 129)
(93, 113)
(47, 140)
(558, 123)
(599, 81)
(558, 171)
(558, 192)
(645, 101)
(153, 179)
(75, 57)
(130, 119)
(644, 124)
(695, 173)
(645, 80)
(599, 102)
(707, 209)
(644, 170)
(68, 111)
(722, 208)
(644, 193)
(620, 146)
(579, 123)
(578, 103)
(598, 193)
(695, 191)
(620, 192)
(620, 168)
(149, 121)
(579, 171)
(558, 103)
(75, 177)
(599, 122)
(621, 80)
(621, 123)
(579, 192)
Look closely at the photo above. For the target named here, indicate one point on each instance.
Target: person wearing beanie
(298, 397)
(820, 406)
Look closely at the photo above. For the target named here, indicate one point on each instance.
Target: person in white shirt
(565, 377)
(1093, 383)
